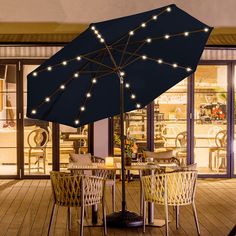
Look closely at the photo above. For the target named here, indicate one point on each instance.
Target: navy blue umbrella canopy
(150, 52)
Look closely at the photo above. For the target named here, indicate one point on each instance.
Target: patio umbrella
(114, 67)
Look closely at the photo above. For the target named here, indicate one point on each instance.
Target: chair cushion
(81, 158)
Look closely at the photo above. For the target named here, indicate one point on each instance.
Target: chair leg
(195, 217)
(68, 218)
(177, 216)
(144, 215)
(29, 161)
(82, 220)
(51, 218)
(44, 163)
(113, 196)
(104, 217)
(166, 219)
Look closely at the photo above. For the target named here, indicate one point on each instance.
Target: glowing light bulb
(167, 36)
(64, 63)
(94, 80)
(102, 40)
(144, 57)
(175, 65)
(33, 111)
(49, 68)
(99, 36)
(82, 108)
(206, 29)
(168, 9)
(76, 122)
(88, 95)
(133, 96)
(188, 69)
(47, 99)
(138, 105)
(93, 28)
(76, 75)
(186, 34)
(143, 25)
(122, 73)
(148, 40)
(35, 74)
(159, 61)
(131, 33)
(154, 17)
(127, 85)
(78, 58)
(62, 87)
(95, 31)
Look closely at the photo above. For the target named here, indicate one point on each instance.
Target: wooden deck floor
(25, 208)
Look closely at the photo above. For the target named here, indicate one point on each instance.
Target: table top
(117, 166)
(93, 166)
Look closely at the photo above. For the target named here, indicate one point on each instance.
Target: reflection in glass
(72, 140)
(8, 128)
(234, 142)
(210, 119)
(135, 128)
(37, 138)
(170, 115)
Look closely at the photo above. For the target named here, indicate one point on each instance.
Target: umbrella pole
(123, 218)
(122, 142)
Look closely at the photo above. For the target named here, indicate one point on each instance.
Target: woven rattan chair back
(70, 190)
(179, 187)
(93, 188)
(66, 188)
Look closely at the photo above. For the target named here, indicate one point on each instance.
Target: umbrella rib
(140, 46)
(164, 37)
(138, 27)
(127, 42)
(97, 62)
(149, 58)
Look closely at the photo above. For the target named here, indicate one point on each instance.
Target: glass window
(37, 138)
(170, 122)
(8, 124)
(72, 140)
(234, 143)
(135, 128)
(210, 119)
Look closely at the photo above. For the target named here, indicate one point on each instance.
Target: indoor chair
(37, 141)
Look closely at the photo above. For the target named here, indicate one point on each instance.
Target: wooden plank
(25, 209)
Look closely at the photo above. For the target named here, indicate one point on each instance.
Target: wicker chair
(109, 175)
(77, 191)
(170, 189)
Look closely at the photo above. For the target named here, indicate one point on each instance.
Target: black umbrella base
(124, 219)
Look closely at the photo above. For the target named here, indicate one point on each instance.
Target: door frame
(18, 158)
(230, 111)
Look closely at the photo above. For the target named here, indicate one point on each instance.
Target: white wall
(101, 138)
(213, 12)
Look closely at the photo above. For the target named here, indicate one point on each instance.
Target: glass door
(135, 128)
(72, 141)
(8, 120)
(37, 145)
(234, 123)
(170, 122)
(210, 119)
